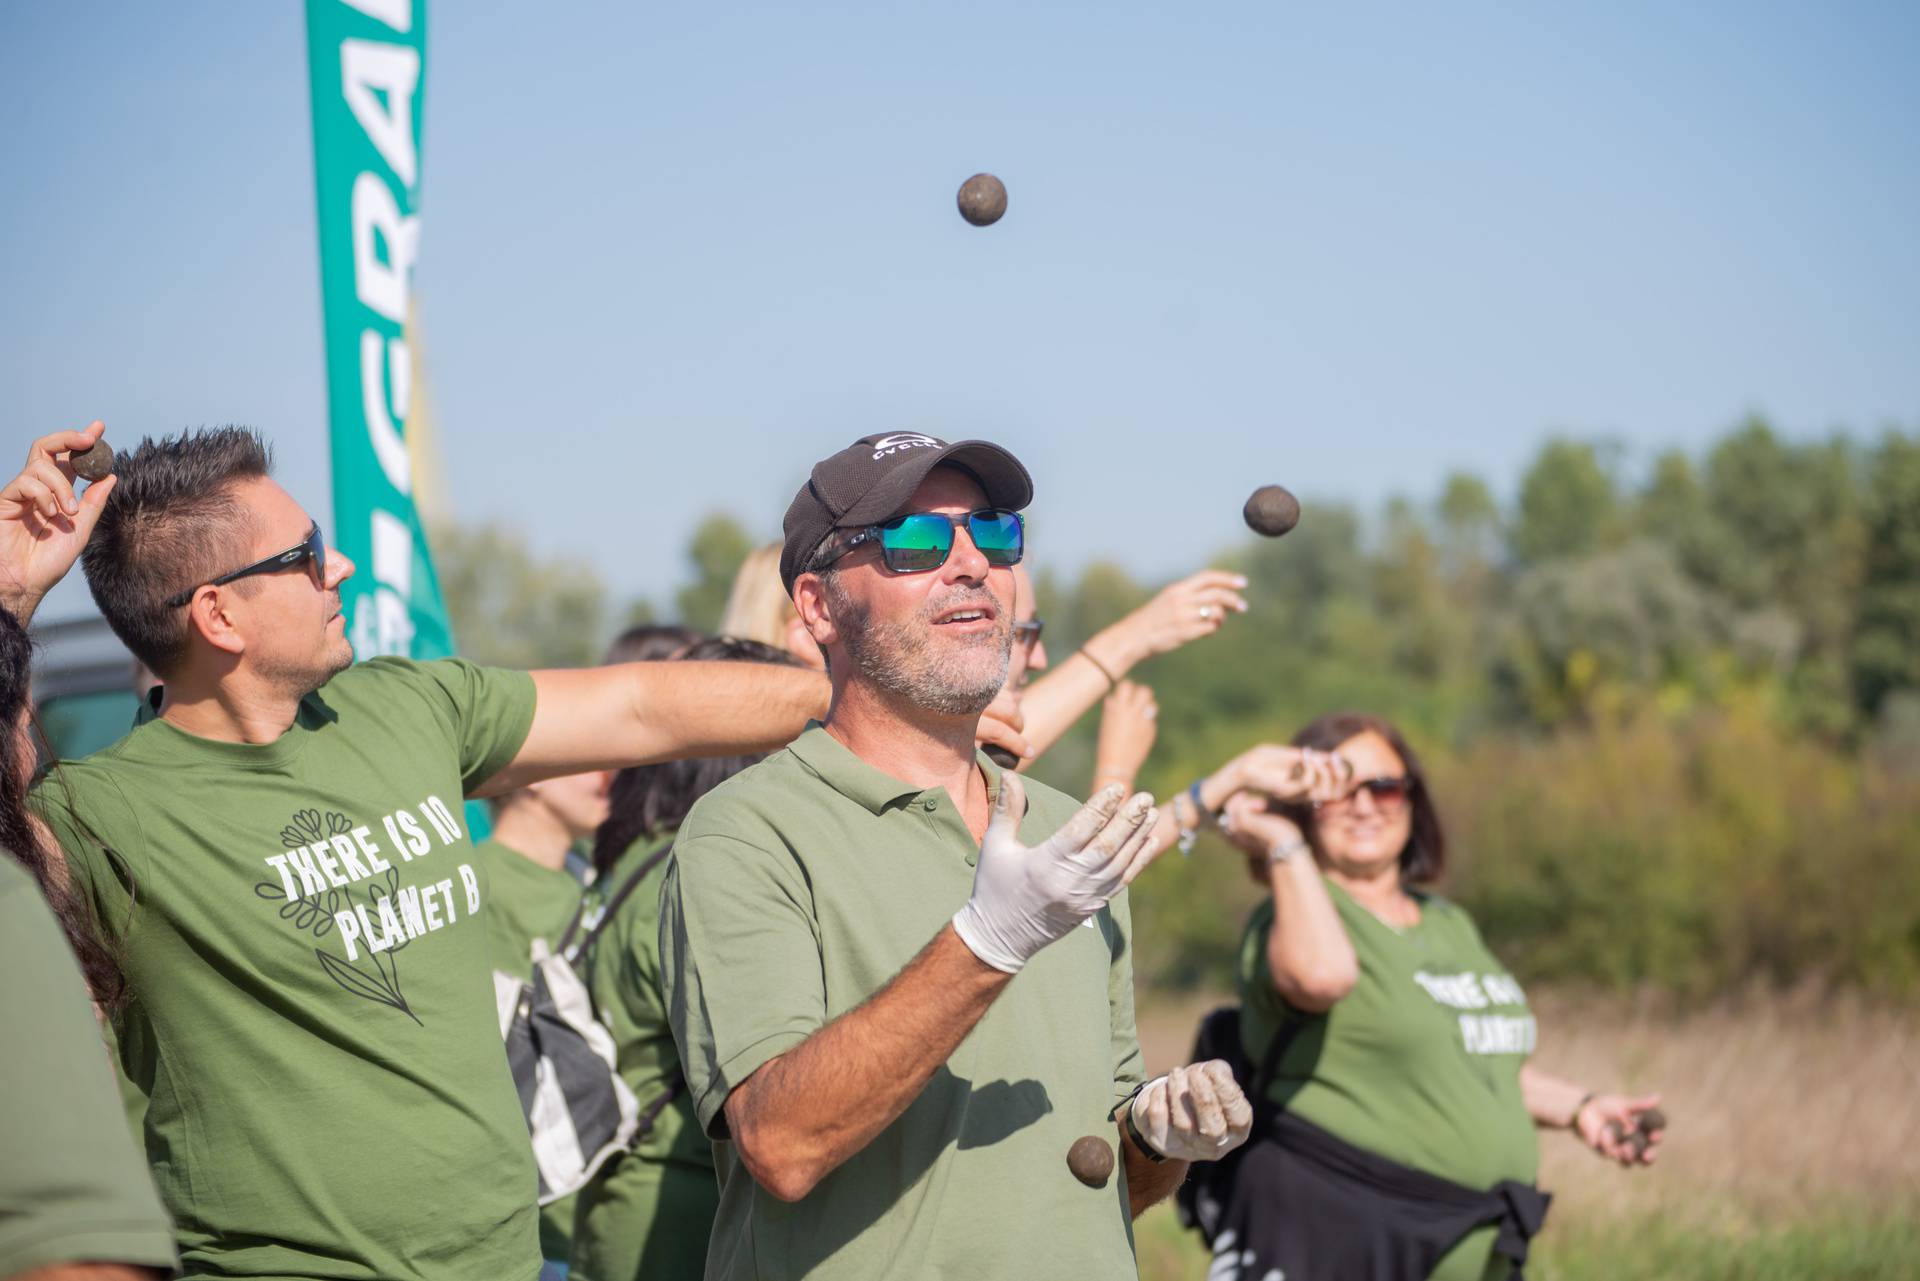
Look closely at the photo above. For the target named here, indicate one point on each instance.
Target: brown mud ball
(1272, 511)
(1642, 1137)
(92, 464)
(983, 199)
(1091, 1160)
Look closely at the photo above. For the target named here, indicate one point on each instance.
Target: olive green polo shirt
(799, 888)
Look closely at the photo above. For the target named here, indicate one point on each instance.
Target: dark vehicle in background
(83, 685)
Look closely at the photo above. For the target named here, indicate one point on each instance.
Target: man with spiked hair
(281, 860)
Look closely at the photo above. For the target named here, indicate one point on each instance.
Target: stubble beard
(900, 659)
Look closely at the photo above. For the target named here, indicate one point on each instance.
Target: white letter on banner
(382, 283)
(397, 14)
(368, 69)
(392, 552)
(388, 445)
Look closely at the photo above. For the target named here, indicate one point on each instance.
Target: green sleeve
(488, 709)
(100, 842)
(72, 1187)
(740, 961)
(1128, 1068)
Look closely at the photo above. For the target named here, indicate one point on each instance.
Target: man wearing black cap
(899, 979)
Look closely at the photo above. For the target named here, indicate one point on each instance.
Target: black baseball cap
(869, 481)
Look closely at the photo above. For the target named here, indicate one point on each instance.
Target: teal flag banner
(368, 70)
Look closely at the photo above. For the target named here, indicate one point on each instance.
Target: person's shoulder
(752, 804)
(1447, 912)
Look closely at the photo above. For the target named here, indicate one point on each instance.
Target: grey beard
(895, 657)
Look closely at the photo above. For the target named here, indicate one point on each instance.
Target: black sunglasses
(312, 548)
(921, 541)
(1388, 794)
(1027, 633)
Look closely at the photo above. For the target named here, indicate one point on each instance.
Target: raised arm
(641, 713)
(43, 525)
(1309, 955)
(1181, 612)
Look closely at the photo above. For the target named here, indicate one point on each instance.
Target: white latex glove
(1024, 899)
(1194, 1113)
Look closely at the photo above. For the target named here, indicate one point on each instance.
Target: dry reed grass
(1784, 1106)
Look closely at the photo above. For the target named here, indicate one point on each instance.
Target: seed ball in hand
(1272, 511)
(1091, 1160)
(983, 199)
(92, 464)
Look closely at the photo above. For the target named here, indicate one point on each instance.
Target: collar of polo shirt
(856, 780)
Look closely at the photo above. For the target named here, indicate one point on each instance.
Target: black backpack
(1204, 1197)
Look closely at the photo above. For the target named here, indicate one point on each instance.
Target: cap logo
(904, 440)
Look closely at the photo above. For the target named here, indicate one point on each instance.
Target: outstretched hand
(1024, 899)
(1610, 1124)
(43, 524)
(1180, 612)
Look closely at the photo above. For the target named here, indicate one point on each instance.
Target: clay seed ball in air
(983, 199)
(1271, 511)
(1091, 1160)
(92, 464)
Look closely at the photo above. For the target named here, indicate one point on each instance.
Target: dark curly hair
(25, 839)
(651, 800)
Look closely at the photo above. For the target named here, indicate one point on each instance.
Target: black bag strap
(620, 896)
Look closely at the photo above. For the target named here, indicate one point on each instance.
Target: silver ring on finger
(1206, 611)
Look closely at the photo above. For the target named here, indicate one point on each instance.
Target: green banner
(368, 65)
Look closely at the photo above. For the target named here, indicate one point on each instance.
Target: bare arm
(1604, 1122)
(799, 1116)
(1148, 1182)
(1171, 619)
(640, 713)
(91, 1272)
(1309, 954)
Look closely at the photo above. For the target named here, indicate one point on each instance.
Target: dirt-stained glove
(1193, 1113)
(1024, 899)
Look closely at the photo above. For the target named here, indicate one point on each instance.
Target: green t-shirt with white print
(1420, 1063)
(303, 927)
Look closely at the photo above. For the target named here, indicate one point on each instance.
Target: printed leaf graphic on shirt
(314, 914)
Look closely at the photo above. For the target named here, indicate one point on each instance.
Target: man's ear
(816, 614)
(207, 614)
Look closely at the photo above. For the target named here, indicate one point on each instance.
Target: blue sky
(1345, 248)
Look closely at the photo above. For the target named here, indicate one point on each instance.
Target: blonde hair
(758, 608)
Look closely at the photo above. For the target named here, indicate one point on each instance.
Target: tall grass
(1794, 1150)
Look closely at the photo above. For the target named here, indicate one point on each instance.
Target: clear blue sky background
(1349, 248)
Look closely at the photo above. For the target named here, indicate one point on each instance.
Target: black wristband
(1147, 1149)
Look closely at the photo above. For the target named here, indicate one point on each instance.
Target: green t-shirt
(649, 1210)
(72, 1186)
(1420, 1063)
(526, 901)
(302, 928)
(799, 888)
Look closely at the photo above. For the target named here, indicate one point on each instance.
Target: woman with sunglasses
(1398, 1137)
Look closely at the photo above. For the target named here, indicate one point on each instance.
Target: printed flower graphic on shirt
(313, 914)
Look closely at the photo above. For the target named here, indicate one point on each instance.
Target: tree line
(1672, 717)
